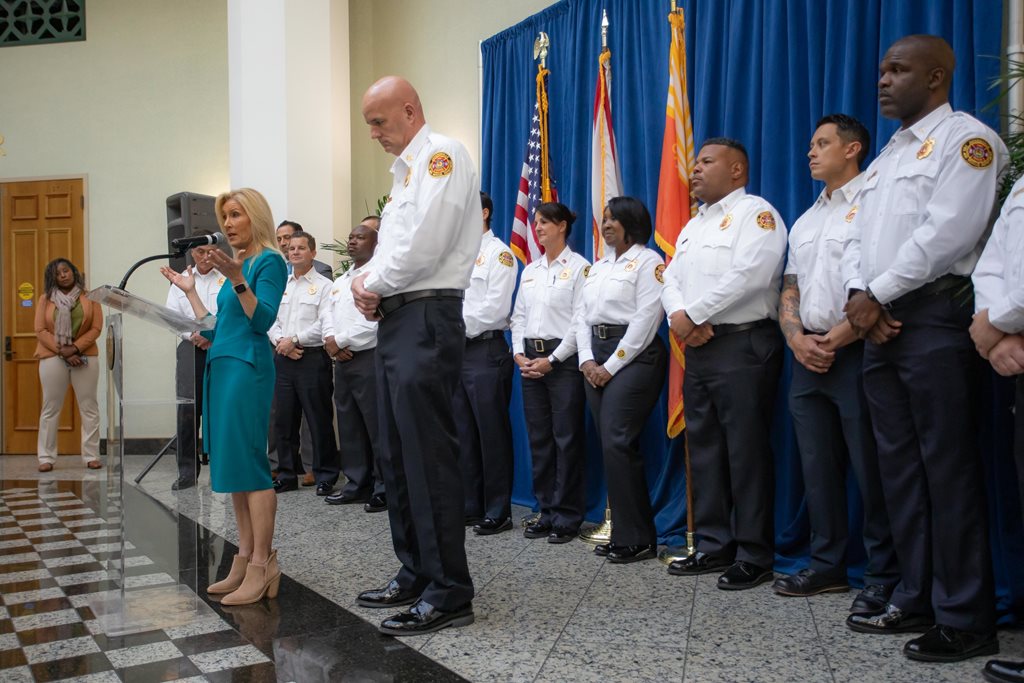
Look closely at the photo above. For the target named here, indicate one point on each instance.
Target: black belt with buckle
(543, 345)
(944, 283)
(609, 331)
(484, 336)
(393, 303)
(728, 328)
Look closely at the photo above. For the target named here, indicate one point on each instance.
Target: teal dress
(239, 383)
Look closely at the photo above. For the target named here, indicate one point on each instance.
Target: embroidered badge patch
(977, 152)
(440, 165)
(765, 220)
(851, 214)
(505, 258)
(659, 273)
(926, 148)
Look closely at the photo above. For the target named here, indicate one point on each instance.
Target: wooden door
(40, 221)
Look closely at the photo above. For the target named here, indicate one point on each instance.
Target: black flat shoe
(377, 503)
(809, 582)
(537, 530)
(562, 535)
(890, 620)
(425, 618)
(344, 498)
(282, 485)
(698, 563)
(389, 595)
(948, 644)
(624, 554)
(603, 549)
(999, 671)
(324, 488)
(743, 575)
(872, 599)
(183, 483)
(492, 526)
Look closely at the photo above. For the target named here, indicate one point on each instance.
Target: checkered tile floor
(53, 550)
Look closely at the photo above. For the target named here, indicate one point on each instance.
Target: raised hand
(185, 281)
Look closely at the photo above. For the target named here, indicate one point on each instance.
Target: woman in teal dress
(239, 386)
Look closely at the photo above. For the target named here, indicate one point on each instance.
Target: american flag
(534, 184)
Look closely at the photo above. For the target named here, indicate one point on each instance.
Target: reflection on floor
(544, 612)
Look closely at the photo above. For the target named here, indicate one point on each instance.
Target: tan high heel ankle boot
(260, 579)
(234, 577)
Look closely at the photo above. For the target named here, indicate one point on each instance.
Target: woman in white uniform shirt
(544, 345)
(623, 363)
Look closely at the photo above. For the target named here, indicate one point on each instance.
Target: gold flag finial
(540, 47)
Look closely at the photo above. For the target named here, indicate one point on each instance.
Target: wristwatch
(295, 339)
(241, 287)
(551, 359)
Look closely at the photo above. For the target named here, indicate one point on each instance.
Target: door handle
(8, 352)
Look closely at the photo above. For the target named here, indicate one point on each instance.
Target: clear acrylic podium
(139, 408)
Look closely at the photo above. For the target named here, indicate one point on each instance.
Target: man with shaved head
(916, 231)
(721, 295)
(414, 285)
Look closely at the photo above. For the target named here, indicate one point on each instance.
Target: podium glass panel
(144, 405)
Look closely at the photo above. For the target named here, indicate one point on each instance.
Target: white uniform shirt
(925, 205)
(816, 253)
(350, 329)
(623, 290)
(550, 296)
(999, 277)
(430, 230)
(207, 287)
(728, 263)
(305, 309)
(491, 284)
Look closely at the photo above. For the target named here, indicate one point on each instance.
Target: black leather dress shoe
(602, 549)
(562, 535)
(282, 485)
(378, 503)
(492, 526)
(324, 488)
(999, 671)
(890, 620)
(809, 582)
(872, 599)
(743, 575)
(948, 644)
(183, 483)
(698, 563)
(537, 530)
(389, 595)
(624, 554)
(425, 618)
(344, 498)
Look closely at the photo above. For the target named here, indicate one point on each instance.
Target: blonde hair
(257, 209)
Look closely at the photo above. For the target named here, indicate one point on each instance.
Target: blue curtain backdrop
(764, 72)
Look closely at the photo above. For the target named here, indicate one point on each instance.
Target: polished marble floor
(544, 612)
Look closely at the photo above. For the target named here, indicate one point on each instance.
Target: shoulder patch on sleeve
(765, 220)
(977, 153)
(659, 273)
(440, 165)
(505, 259)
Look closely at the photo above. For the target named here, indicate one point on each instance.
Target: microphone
(186, 243)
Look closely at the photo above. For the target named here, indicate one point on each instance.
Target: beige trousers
(55, 376)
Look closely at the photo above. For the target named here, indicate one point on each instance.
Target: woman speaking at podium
(239, 386)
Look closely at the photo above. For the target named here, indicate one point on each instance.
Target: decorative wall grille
(32, 22)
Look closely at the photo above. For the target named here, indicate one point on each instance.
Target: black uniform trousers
(620, 410)
(303, 388)
(355, 402)
(553, 408)
(833, 431)
(1018, 436)
(922, 388)
(481, 403)
(419, 354)
(188, 380)
(728, 399)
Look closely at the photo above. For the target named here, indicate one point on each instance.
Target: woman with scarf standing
(67, 326)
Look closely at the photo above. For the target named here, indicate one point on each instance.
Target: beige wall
(140, 110)
(436, 45)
